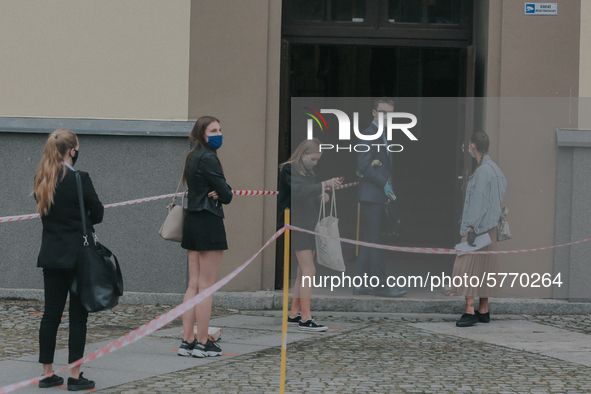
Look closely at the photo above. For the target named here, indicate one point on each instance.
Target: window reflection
(308, 10)
(348, 10)
(445, 11)
(405, 11)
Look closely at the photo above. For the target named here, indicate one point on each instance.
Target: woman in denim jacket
(482, 209)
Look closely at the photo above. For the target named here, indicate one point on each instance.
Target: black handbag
(98, 282)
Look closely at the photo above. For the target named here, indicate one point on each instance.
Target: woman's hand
(326, 197)
(213, 194)
(333, 182)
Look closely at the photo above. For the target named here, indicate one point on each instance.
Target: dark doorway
(427, 174)
(362, 71)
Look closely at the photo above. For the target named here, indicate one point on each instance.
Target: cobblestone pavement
(19, 325)
(381, 355)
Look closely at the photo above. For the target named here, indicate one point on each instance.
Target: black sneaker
(210, 349)
(51, 381)
(294, 321)
(482, 317)
(467, 320)
(186, 348)
(80, 384)
(363, 290)
(312, 326)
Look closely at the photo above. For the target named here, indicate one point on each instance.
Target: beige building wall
(168, 60)
(95, 59)
(585, 67)
(530, 56)
(234, 76)
(585, 50)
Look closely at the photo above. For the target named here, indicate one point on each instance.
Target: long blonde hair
(58, 144)
(305, 147)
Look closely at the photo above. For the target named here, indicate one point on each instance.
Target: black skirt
(203, 231)
(302, 241)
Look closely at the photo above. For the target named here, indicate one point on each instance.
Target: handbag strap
(177, 190)
(333, 203)
(179, 186)
(321, 212)
(82, 210)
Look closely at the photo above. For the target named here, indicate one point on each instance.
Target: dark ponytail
(197, 137)
(481, 141)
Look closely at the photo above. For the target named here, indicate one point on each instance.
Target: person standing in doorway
(375, 189)
(482, 209)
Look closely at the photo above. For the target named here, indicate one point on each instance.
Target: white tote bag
(328, 251)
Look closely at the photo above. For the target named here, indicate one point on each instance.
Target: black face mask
(75, 157)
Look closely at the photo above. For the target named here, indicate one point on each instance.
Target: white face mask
(470, 150)
(308, 163)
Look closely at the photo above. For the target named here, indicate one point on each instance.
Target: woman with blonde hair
(299, 191)
(56, 194)
(204, 234)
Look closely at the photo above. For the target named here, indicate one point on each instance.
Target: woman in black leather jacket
(204, 234)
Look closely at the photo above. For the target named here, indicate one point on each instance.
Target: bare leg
(470, 305)
(306, 263)
(192, 291)
(483, 305)
(47, 369)
(75, 372)
(295, 303)
(210, 263)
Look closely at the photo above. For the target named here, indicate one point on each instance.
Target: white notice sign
(540, 8)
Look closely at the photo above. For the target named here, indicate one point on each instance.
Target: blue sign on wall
(540, 8)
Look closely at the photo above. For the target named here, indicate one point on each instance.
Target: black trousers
(371, 261)
(57, 284)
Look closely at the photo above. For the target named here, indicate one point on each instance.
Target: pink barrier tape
(147, 199)
(254, 192)
(344, 186)
(169, 316)
(151, 326)
(410, 249)
(19, 217)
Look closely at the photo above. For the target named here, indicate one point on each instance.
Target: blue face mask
(215, 141)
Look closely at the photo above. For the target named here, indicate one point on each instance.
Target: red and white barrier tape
(344, 186)
(151, 326)
(169, 316)
(410, 249)
(147, 199)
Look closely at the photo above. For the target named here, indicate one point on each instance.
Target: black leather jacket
(204, 174)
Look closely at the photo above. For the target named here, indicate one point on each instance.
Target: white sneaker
(210, 349)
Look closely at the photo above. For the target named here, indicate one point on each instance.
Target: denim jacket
(484, 195)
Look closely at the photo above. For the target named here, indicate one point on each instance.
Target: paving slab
(156, 354)
(373, 352)
(523, 335)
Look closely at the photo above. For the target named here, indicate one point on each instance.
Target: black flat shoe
(467, 320)
(482, 317)
(388, 292)
(363, 291)
(80, 384)
(51, 381)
